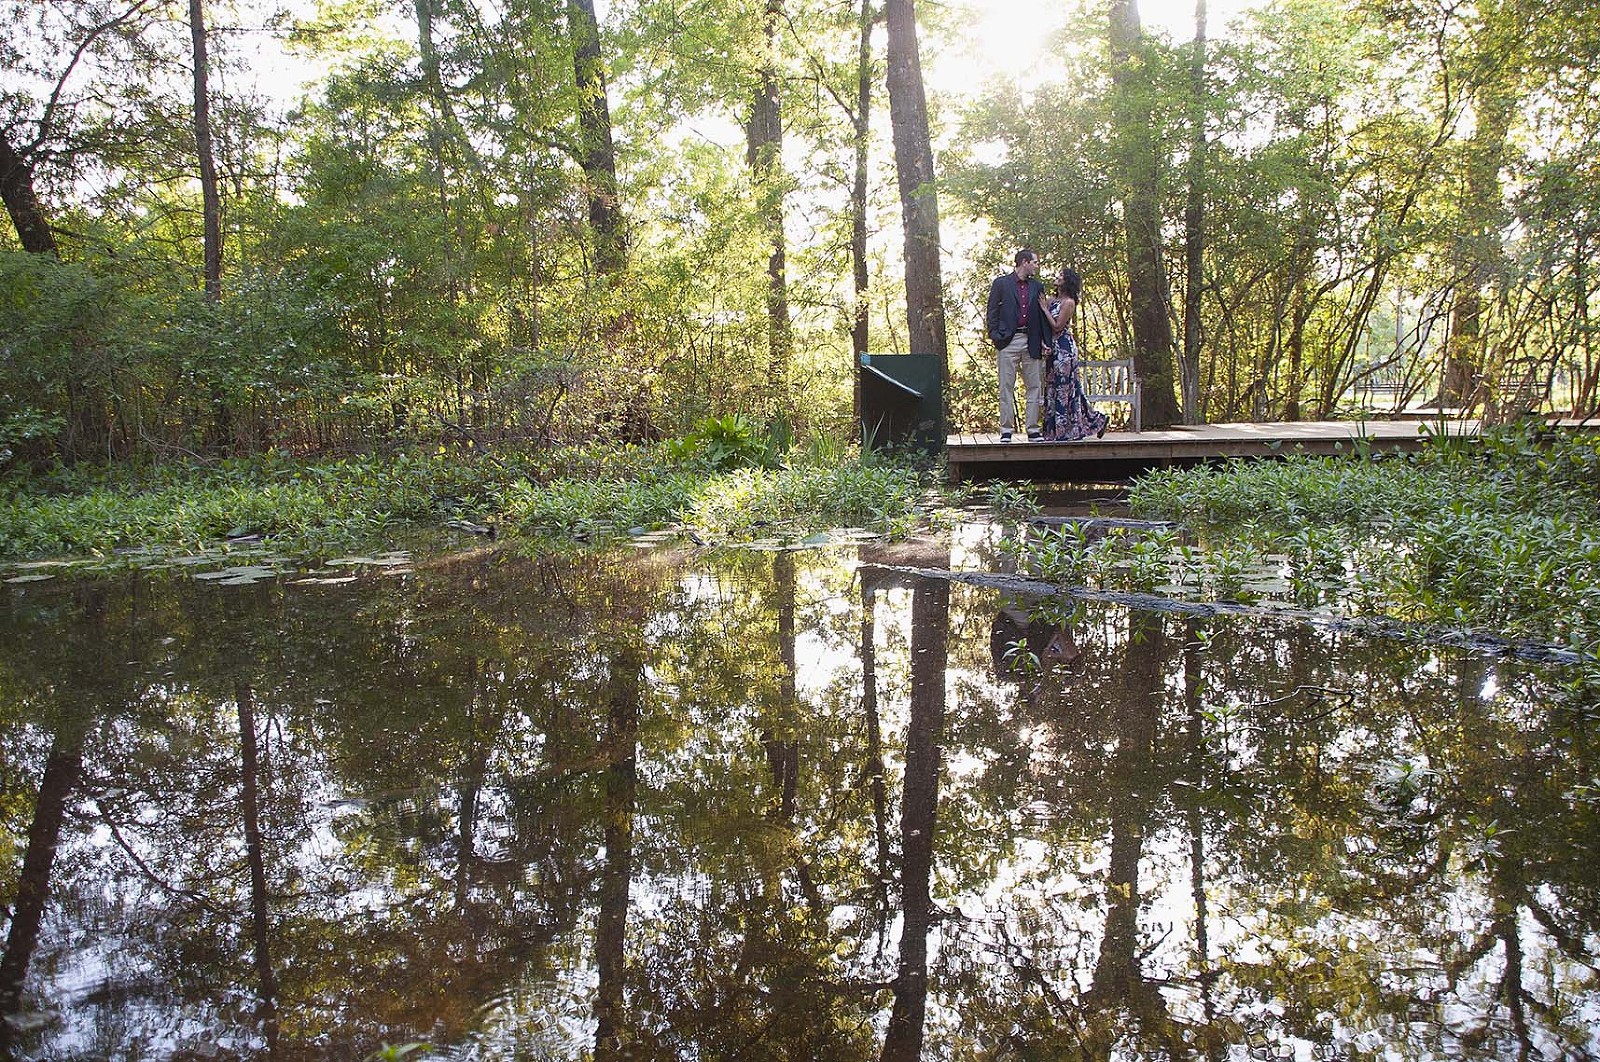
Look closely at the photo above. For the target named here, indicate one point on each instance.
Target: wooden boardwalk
(1121, 454)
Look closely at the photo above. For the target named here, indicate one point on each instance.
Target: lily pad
(382, 560)
(240, 576)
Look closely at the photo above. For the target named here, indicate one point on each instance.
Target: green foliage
(301, 507)
(725, 443)
(789, 502)
(596, 496)
(1504, 538)
(1013, 501)
(400, 1052)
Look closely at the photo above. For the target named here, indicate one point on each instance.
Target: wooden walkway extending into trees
(1123, 453)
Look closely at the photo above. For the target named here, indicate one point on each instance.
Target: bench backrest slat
(1112, 381)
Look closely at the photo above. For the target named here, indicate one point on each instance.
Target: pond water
(759, 804)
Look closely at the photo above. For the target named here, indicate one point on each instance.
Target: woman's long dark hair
(1070, 285)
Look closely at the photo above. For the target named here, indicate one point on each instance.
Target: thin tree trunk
(599, 159)
(919, 201)
(1482, 211)
(221, 429)
(1585, 370)
(858, 199)
(210, 198)
(1139, 183)
(764, 154)
(1194, 225)
(1295, 345)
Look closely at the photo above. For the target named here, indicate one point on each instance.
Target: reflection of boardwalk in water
(1121, 453)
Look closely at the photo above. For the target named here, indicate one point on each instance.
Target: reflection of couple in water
(1024, 643)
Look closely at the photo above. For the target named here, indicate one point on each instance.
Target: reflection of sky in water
(439, 766)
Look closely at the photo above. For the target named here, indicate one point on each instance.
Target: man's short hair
(1024, 255)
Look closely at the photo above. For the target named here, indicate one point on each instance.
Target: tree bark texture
(859, 331)
(210, 198)
(919, 201)
(1194, 226)
(598, 158)
(764, 154)
(1483, 215)
(16, 188)
(1138, 180)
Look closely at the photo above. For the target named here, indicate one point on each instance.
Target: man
(1017, 328)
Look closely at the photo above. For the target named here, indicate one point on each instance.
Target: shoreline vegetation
(1502, 535)
(724, 483)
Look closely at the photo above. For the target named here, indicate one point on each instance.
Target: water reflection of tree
(919, 814)
(375, 918)
(69, 670)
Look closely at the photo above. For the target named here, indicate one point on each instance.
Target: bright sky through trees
(1010, 36)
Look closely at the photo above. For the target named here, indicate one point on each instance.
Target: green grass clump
(1504, 536)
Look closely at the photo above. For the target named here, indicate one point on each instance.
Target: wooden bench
(1113, 381)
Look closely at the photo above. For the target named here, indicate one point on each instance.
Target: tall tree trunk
(764, 154)
(16, 188)
(919, 201)
(1138, 180)
(599, 158)
(1294, 386)
(611, 1040)
(1483, 215)
(210, 199)
(1194, 225)
(221, 430)
(930, 651)
(859, 331)
(250, 797)
(1585, 371)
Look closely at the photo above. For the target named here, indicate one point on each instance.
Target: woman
(1067, 415)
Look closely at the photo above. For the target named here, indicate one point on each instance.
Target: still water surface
(785, 805)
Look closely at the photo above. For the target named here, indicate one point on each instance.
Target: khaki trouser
(1013, 357)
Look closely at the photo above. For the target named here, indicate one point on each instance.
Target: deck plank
(969, 455)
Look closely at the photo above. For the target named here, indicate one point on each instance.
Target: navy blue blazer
(1005, 310)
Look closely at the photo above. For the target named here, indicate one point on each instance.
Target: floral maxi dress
(1067, 415)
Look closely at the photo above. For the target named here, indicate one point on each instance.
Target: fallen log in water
(1379, 626)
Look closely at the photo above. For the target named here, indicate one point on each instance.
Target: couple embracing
(1032, 334)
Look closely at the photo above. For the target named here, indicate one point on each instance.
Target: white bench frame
(1114, 381)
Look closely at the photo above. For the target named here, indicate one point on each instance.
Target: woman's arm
(1056, 317)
